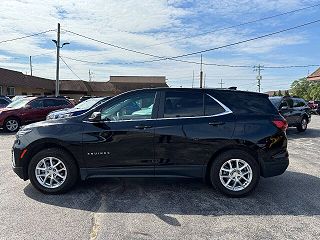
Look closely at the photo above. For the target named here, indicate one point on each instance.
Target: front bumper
(17, 164)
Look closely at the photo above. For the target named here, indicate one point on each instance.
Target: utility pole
(192, 78)
(201, 73)
(57, 42)
(221, 83)
(204, 81)
(58, 58)
(90, 75)
(30, 62)
(258, 68)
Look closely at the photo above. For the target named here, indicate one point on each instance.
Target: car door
(287, 111)
(122, 143)
(190, 126)
(33, 111)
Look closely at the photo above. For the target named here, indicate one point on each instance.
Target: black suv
(295, 110)
(227, 137)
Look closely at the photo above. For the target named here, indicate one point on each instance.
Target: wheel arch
(37, 147)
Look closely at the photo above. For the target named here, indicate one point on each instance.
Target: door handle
(142, 127)
(216, 123)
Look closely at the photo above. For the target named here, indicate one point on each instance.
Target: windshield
(87, 103)
(275, 101)
(19, 103)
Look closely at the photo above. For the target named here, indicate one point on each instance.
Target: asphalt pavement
(283, 207)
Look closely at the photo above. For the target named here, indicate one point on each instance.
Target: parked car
(4, 101)
(18, 97)
(78, 109)
(28, 110)
(226, 137)
(295, 110)
(314, 106)
(84, 98)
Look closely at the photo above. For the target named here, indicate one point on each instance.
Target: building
(315, 76)
(16, 83)
(282, 92)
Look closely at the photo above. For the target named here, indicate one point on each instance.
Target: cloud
(142, 25)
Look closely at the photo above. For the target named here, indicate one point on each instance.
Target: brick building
(16, 83)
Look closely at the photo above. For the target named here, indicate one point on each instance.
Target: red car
(30, 109)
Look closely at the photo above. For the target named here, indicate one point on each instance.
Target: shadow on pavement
(290, 194)
(292, 133)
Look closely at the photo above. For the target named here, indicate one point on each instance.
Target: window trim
(227, 110)
(153, 113)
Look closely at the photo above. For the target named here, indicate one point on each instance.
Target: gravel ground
(283, 207)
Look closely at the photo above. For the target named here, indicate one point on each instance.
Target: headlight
(23, 131)
(66, 115)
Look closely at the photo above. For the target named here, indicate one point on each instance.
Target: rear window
(298, 102)
(246, 103)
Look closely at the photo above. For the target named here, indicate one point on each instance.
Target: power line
(70, 68)
(174, 58)
(237, 25)
(237, 43)
(27, 36)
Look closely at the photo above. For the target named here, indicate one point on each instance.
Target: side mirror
(95, 117)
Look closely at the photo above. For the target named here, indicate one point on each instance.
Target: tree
(286, 93)
(274, 94)
(279, 93)
(306, 89)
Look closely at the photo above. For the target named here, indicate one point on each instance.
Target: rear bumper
(278, 165)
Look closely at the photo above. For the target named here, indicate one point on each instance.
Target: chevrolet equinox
(228, 138)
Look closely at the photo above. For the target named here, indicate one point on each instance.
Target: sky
(163, 28)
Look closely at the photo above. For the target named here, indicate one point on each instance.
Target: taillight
(281, 124)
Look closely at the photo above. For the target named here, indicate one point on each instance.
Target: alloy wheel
(235, 174)
(304, 123)
(12, 125)
(51, 172)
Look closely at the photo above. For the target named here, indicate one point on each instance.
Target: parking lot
(283, 207)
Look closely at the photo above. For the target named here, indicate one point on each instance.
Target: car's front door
(123, 142)
(33, 111)
(287, 111)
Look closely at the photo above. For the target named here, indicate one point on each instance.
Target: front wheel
(53, 171)
(303, 125)
(11, 124)
(235, 173)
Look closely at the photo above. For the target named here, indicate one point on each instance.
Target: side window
(211, 107)
(183, 104)
(50, 103)
(298, 102)
(36, 104)
(134, 107)
(2, 101)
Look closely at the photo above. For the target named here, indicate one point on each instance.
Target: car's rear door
(191, 125)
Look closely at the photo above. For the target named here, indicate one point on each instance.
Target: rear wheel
(53, 171)
(303, 125)
(235, 173)
(12, 124)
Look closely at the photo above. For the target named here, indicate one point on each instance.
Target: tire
(12, 124)
(220, 178)
(43, 180)
(303, 125)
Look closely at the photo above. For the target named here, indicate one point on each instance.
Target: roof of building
(315, 76)
(100, 86)
(138, 79)
(73, 85)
